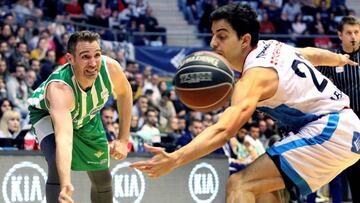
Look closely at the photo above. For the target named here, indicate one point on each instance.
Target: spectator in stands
(152, 25)
(191, 11)
(21, 34)
(266, 26)
(6, 32)
(3, 89)
(150, 132)
(166, 110)
(24, 8)
(141, 39)
(89, 7)
(140, 108)
(179, 106)
(139, 84)
(107, 118)
(254, 132)
(273, 8)
(20, 56)
(321, 40)
(299, 27)
(308, 7)
(243, 146)
(292, 8)
(39, 52)
(18, 91)
(195, 127)
(283, 25)
(5, 105)
(9, 129)
(35, 65)
(204, 25)
(207, 120)
(3, 69)
(153, 84)
(134, 124)
(30, 78)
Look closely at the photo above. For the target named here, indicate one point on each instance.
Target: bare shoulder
(58, 87)
(112, 64)
(59, 92)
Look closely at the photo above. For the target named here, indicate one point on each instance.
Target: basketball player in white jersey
(323, 133)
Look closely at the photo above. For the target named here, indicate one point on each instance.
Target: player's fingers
(139, 164)
(65, 199)
(353, 63)
(154, 150)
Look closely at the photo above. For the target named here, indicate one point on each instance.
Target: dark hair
(77, 37)
(242, 18)
(350, 20)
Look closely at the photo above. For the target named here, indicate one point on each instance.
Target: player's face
(350, 37)
(226, 42)
(86, 62)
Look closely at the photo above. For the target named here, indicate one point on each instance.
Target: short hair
(348, 20)
(81, 36)
(242, 18)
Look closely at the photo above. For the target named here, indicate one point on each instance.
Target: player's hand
(345, 59)
(159, 165)
(66, 193)
(118, 150)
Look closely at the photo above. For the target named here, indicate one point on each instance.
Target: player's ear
(69, 58)
(246, 40)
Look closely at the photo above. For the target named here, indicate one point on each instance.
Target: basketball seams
(205, 66)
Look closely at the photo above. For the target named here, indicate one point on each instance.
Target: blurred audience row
(297, 18)
(114, 19)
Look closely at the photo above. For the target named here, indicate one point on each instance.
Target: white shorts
(319, 151)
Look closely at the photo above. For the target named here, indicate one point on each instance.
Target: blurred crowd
(114, 20)
(297, 18)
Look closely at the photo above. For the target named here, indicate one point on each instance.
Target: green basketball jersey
(90, 146)
(87, 103)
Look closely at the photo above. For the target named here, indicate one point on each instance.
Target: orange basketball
(204, 81)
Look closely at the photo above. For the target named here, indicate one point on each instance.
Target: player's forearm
(124, 105)
(209, 140)
(216, 135)
(64, 143)
(320, 57)
(63, 159)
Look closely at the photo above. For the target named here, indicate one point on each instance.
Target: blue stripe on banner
(294, 176)
(319, 139)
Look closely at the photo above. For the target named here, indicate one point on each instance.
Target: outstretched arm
(323, 57)
(255, 84)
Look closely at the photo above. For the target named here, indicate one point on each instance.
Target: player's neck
(243, 56)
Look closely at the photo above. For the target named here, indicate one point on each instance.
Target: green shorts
(90, 145)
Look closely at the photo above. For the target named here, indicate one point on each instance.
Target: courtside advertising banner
(23, 177)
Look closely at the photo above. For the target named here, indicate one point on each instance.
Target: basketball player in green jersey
(64, 112)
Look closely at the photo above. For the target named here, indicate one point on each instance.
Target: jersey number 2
(319, 85)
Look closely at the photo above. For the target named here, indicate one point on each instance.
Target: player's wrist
(176, 156)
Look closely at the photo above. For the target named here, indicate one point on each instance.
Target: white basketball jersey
(303, 93)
